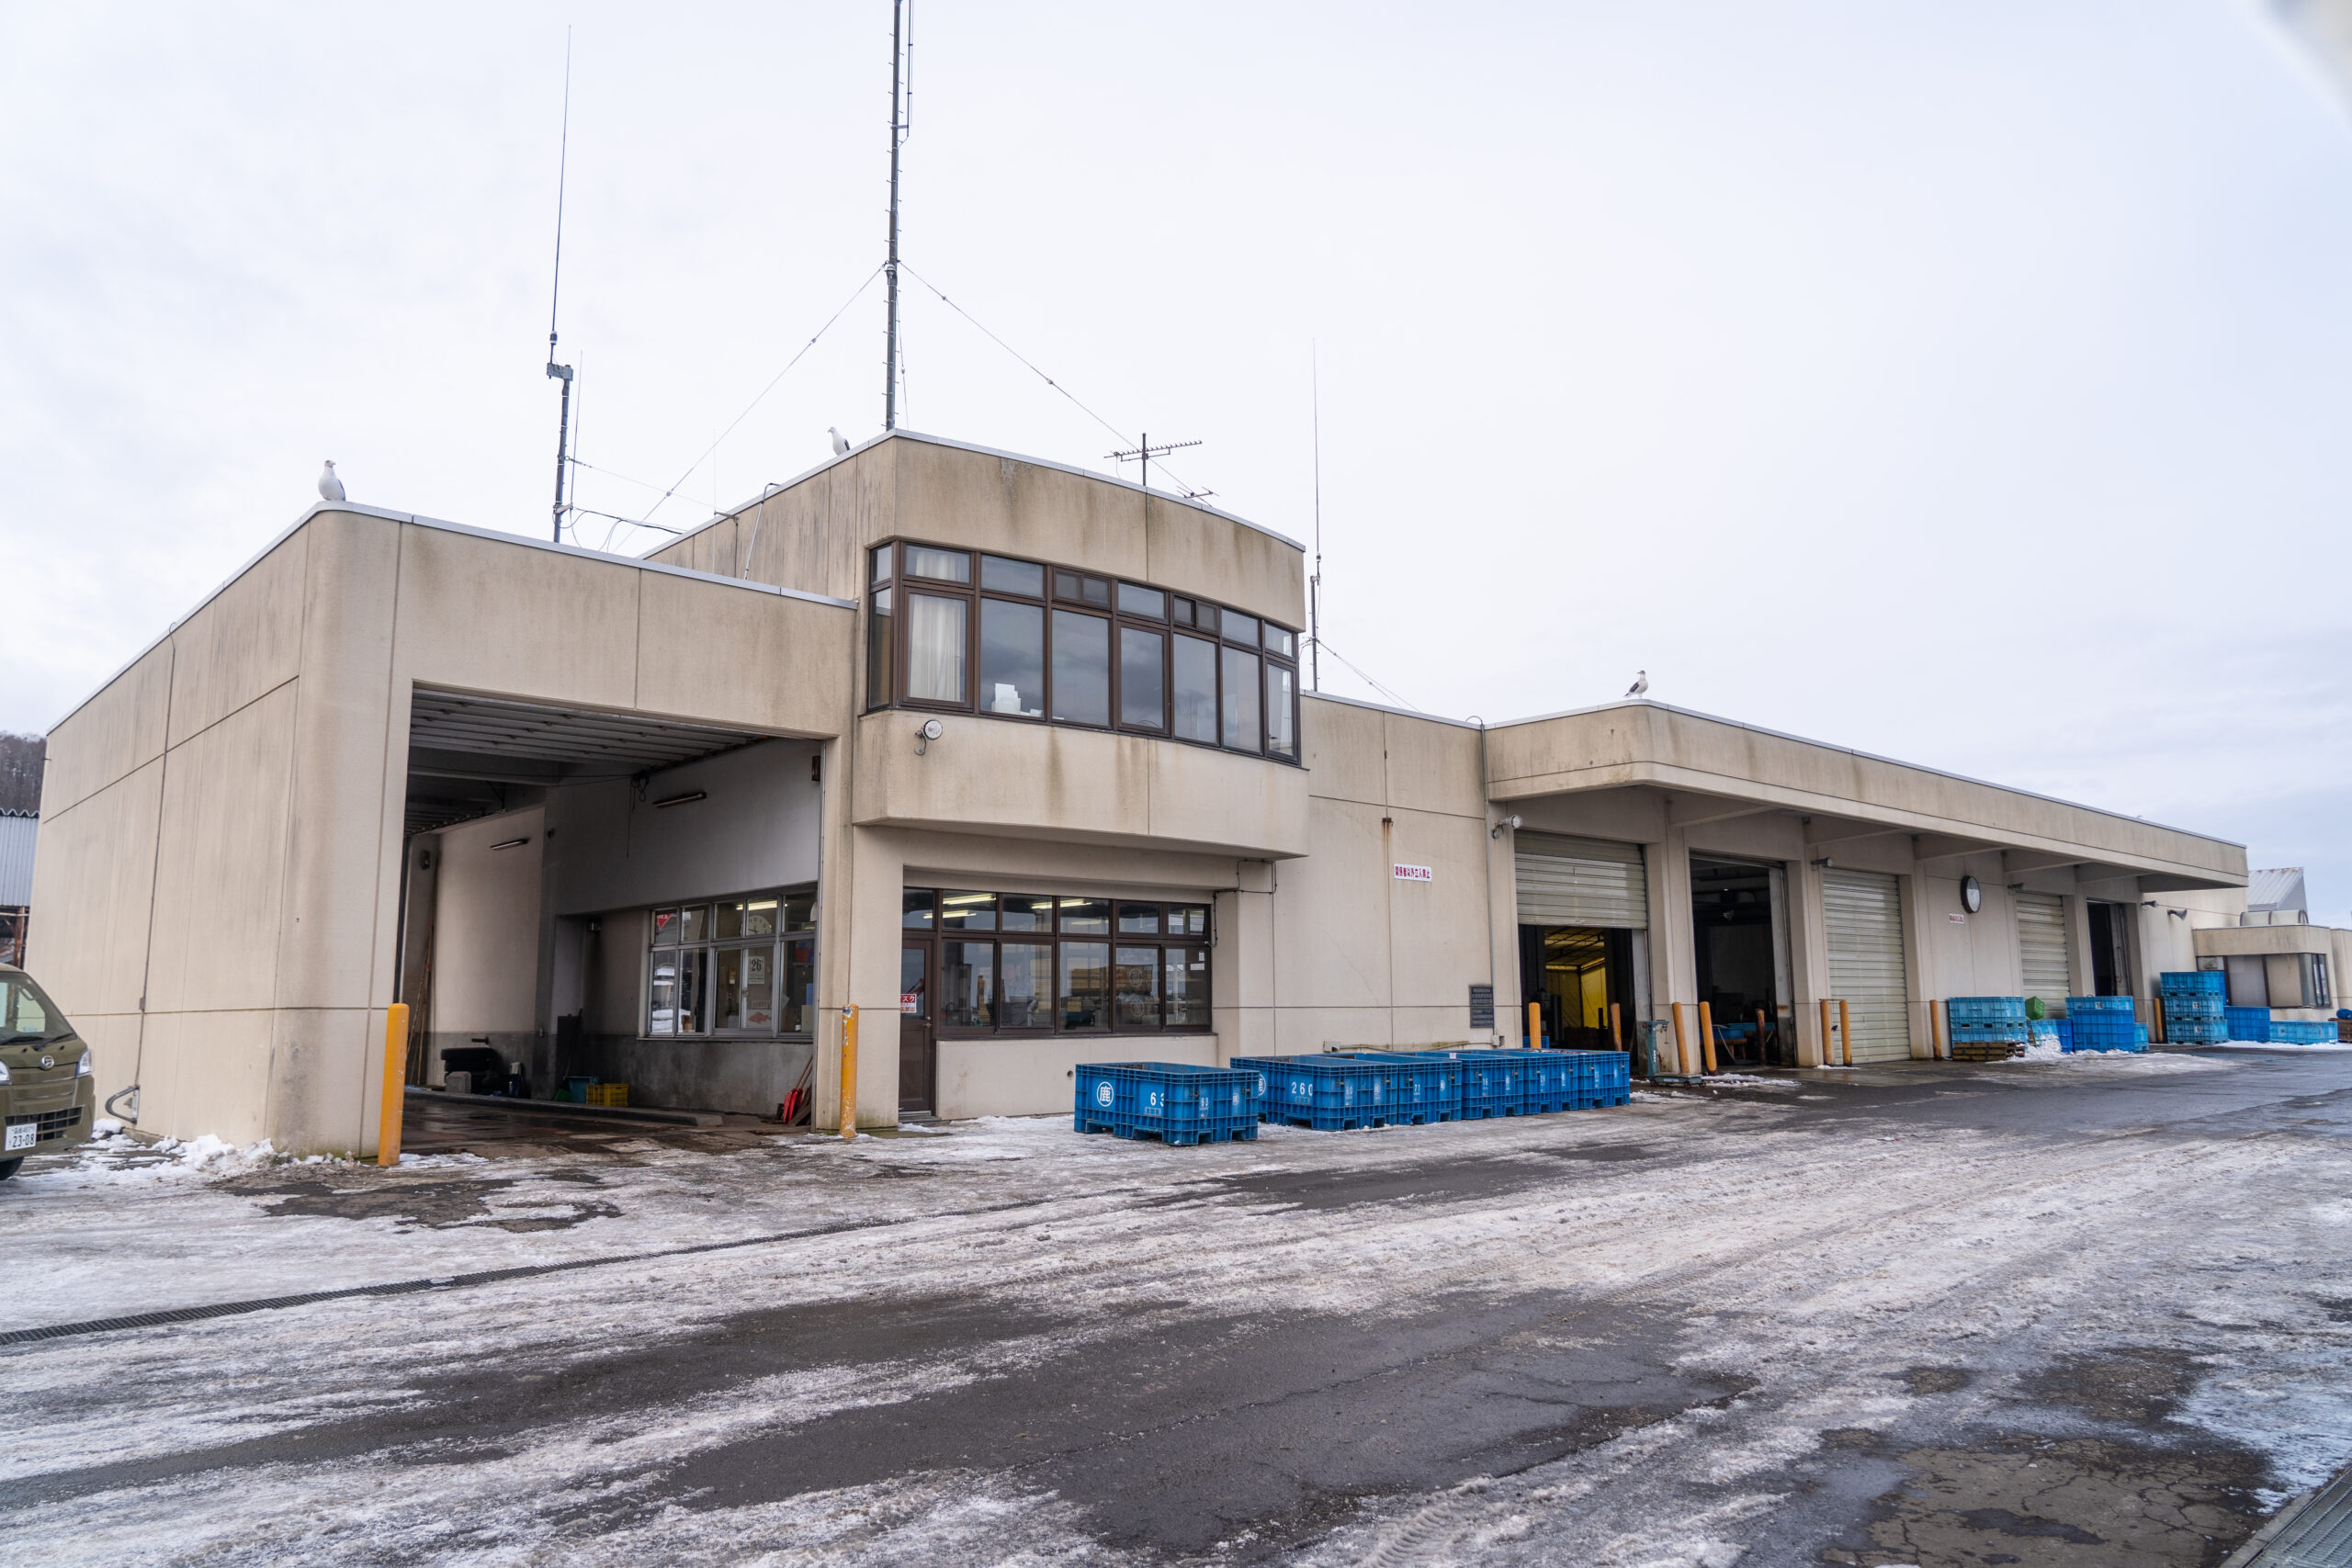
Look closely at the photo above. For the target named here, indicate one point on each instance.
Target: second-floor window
(1022, 639)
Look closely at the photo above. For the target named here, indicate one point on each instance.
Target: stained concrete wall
(486, 938)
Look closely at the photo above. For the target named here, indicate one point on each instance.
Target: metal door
(1863, 912)
(2045, 957)
(917, 1054)
(1580, 882)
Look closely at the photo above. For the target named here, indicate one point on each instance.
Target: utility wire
(1125, 439)
(1368, 679)
(763, 392)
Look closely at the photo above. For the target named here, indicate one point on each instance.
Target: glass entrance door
(918, 1051)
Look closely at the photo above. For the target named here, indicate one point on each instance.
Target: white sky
(1966, 383)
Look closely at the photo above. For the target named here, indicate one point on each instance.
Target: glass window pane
(1183, 612)
(661, 995)
(1081, 669)
(1085, 985)
(879, 689)
(914, 909)
(1148, 603)
(913, 1000)
(758, 917)
(1188, 988)
(1086, 917)
(800, 912)
(694, 923)
(755, 990)
(1240, 730)
(1139, 919)
(936, 647)
(947, 566)
(1141, 658)
(967, 985)
(1134, 995)
(1187, 919)
(1281, 731)
(1098, 591)
(1195, 685)
(1239, 627)
(1025, 986)
(1028, 912)
(693, 978)
(730, 917)
(1279, 641)
(726, 1002)
(1013, 576)
(1013, 657)
(968, 911)
(882, 564)
(665, 928)
(1207, 619)
(1068, 586)
(798, 1013)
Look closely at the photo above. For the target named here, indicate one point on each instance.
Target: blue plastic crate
(1427, 1086)
(1992, 1034)
(1575, 1081)
(2247, 1024)
(2079, 1005)
(1330, 1093)
(1547, 1083)
(1984, 1010)
(1172, 1102)
(2192, 1004)
(2191, 982)
(1603, 1077)
(2198, 1033)
(1492, 1082)
(2294, 1031)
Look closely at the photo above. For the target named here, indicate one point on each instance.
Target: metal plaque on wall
(1482, 1007)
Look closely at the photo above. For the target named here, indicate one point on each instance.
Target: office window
(732, 968)
(968, 911)
(1081, 669)
(1086, 986)
(1002, 576)
(1146, 604)
(1141, 696)
(1013, 658)
(1007, 963)
(936, 647)
(1026, 972)
(879, 625)
(1135, 987)
(1187, 973)
(1240, 726)
(967, 985)
(1195, 688)
(1282, 712)
(946, 566)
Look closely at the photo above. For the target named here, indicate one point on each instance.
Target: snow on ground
(1822, 1261)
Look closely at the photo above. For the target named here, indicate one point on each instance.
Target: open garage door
(1564, 881)
(1863, 912)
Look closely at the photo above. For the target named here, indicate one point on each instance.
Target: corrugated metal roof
(2278, 888)
(16, 830)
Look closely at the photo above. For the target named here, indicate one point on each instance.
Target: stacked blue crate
(1978, 1025)
(2100, 1023)
(2247, 1024)
(2293, 1031)
(1427, 1086)
(1328, 1093)
(2194, 1007)
(1598, 1079)
(1172, 1102)
(1491, 1082)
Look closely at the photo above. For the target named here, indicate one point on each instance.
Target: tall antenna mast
(555, 293)
(890, 265)
(1314, 583)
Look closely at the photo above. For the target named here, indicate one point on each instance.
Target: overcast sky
(1969, 383)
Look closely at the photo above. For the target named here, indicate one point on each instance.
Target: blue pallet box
(1173, 1102)
(2248, 1023)
(1492, 1083)
(2294, 1031)
(1427, 1086)
(1330, 1093)
(2191, 982)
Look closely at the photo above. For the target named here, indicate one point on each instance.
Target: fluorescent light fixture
(510, 844)
(687, 799)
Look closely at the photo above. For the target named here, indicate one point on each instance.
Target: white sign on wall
(1404, 872)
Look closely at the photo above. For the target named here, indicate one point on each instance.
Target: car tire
(8, 1167)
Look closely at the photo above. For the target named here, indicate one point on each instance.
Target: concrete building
(19, 833)
(1013, 757)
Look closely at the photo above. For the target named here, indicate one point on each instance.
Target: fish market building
(1014, 757)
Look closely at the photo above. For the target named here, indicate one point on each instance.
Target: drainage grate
(2312, 1531)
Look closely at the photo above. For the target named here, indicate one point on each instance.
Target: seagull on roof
(841, 442)
(1641, 683)
(330, 486)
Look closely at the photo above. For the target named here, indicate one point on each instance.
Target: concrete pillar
(1502, 932)
(859, 932)
(2078, 946)
(1808, 959)
(1242, 966)
(1921, 971)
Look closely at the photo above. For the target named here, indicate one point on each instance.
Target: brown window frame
(1181, 614)
(935, 932)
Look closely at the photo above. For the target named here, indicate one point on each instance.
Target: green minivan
(47, 1096)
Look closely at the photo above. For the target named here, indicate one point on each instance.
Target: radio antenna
(560, 372)
(1315, 583)
(899, 96)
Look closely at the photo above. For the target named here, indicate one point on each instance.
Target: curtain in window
(936, 649)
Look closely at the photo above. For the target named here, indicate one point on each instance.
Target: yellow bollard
(1682, 1046)
(1936, 1017)
(1828, 1047)
(1707, 1033)
(849, 1071)
(387, 1125)
(1534, 1024)
(1616, 1028)
(1845, 1032)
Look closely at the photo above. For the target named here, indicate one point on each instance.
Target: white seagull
(1641, 683)
(841, 442)
(330, 486)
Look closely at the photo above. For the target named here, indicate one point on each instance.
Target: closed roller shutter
(1581, 882)
(1863, 912)
(2044, 958)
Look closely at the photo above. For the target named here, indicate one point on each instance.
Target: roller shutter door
(1863, 912)
(1581, 882)
(2044, 956)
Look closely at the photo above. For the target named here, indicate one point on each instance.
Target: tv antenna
(1144, 452)
(1315, 583)
(560, 372)
(902, 74)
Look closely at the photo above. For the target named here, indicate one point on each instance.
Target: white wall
(486, 934)
(757, 828)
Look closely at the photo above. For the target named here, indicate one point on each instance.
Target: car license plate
(23, 1135)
